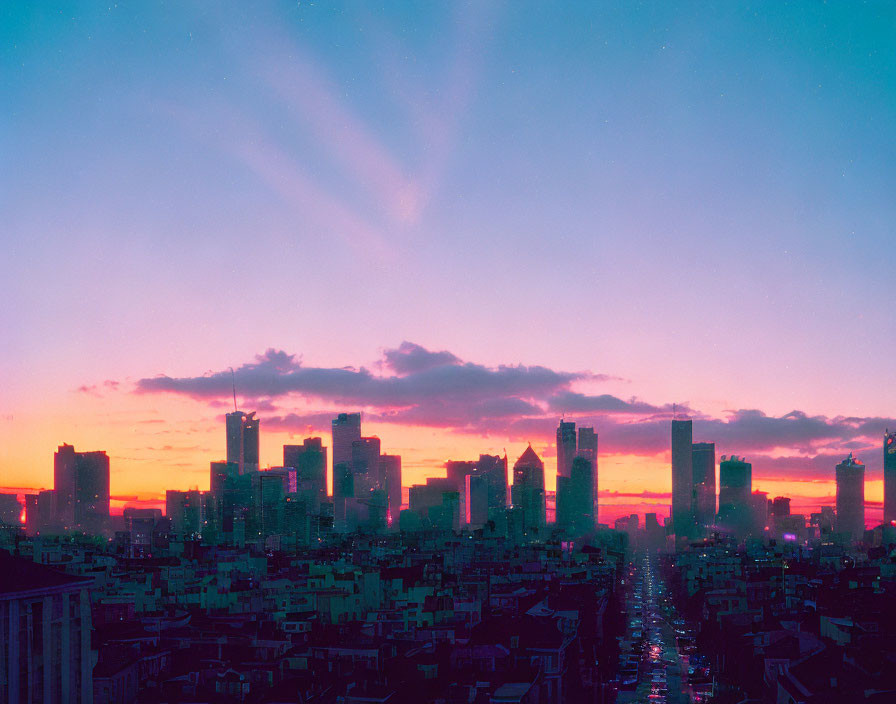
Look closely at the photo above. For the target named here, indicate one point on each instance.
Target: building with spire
(527, 493)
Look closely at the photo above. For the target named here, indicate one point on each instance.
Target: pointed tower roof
(529, 459)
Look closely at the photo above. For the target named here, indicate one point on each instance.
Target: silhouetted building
(587, 449)
(346, 430)
(890, 477)
(781, 506)
(436, 504)
(527, 492)
(476, 500)
(566, 448)
(243, 440)
(735, 490)
(850, 475)
(390, 473)
(494, 468)
(81, 486)
(45, 653)
(682, 478)
(575, 503)
(703, 461)
(185, 511)
(310, 462)
(10, 510)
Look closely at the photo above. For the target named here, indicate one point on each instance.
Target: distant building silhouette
(310, 462)
(346, 429)
(682, 478)
(81, 488)
(390, 473)
(850, 474)
(587, 449)
(735, 494)
(889, 476)
(566, 448)
(703, 461)
(243, 440)
(527, 492)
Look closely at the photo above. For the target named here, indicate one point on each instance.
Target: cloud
(410, 358)
(415, 386)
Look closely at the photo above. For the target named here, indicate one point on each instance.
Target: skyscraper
(566, 447)
(366, 465)
(81, 485)
(243, 441)
(703, 461)
(476, 499)
(587, 449)
(346, 429)
(494, 468)
(889, 476)
(735, 494)
(527, 492)
(682, 478)
(850, 475)
(310, 462)
(390, 473)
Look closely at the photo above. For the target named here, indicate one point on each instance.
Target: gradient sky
(657, 203)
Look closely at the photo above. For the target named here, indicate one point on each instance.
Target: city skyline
(658, 204)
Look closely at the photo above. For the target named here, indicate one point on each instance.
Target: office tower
(759, 505)
(310, 462)
(269, 490)
(390, 472)
(81, 485)
(588, 450)
(10, 510)
(735, 490)
(45, 649)
(566, 447)
(850, 475)
(476, 500)
(890, 477)
(780, 506)
(682, 478)
(494, 468)
(436, 503)
(366, 465)
(184, 510)
(346, 429)
(575, 503)
(703, 461)
(242, 440)
(457, 472)
(527, 492)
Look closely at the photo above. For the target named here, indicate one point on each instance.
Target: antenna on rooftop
(233, 379)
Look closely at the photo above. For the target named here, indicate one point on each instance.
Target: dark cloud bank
(416, 386)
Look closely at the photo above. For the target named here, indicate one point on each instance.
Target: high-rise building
(781, 506)
(390, 473)
(850, 475)
(476, 500)
(527, 492)
(575, 504)
(566, 447)
(243, 441)
(366, 465)
(10, 510)
(184, 510)
(890, 477)
(346, 429)
(310, 462)
(494, 468)
(735, 494)
(682, 478)
(587, 449)
(703, 461)
(81, 485)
